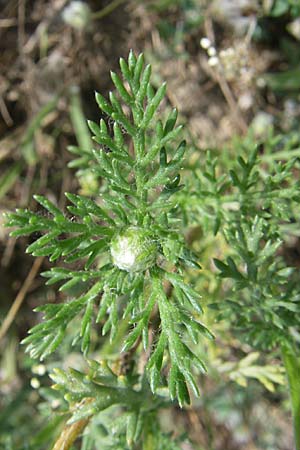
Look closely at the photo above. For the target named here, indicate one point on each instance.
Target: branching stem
(69, 434)
(292, 366)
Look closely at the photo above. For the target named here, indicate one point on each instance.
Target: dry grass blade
(20, 297)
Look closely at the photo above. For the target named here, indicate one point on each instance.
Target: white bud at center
(133, 250)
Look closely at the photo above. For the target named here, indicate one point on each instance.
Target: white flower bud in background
(213, 61)
(205, 43)
(35, 383)
(133, 250)
(77, 14)
(211, 51)
(262, 123)
(39, 369)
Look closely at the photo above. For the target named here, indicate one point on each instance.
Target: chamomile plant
(130, 257)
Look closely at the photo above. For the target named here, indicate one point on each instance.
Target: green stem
(78, 120)
(292, 366)
(283, 154)
(28, 143)
(107, 9)
(150, 434)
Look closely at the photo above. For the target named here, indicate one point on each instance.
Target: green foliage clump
(254, 204)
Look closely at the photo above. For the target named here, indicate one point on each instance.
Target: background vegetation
(232, 69)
